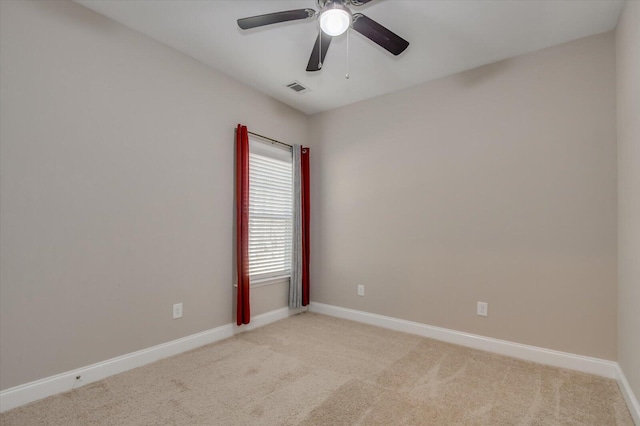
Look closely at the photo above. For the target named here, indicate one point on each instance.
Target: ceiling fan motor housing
(323, 3)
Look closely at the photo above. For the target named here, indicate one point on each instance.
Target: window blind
(270, 212)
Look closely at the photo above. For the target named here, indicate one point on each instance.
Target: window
(270, 211)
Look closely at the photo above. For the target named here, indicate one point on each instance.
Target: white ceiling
(446, 36)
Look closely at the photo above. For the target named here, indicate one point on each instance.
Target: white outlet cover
(483, 309)
(360, 290)
(177, 310)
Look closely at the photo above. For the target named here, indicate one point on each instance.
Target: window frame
(272, 152)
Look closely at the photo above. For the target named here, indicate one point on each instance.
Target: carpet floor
(313, 369)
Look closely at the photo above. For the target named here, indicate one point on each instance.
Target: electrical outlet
(360, 290)
(177, 310)
(483, 309)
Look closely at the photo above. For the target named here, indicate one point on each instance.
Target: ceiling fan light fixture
(335, 18)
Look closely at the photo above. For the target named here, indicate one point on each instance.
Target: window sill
(268, 281)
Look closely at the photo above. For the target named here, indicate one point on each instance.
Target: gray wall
(628, 79)
(497, 184)
(117, 183)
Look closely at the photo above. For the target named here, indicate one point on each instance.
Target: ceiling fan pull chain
(347, 74)
(320, 50)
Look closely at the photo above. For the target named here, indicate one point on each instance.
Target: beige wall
(628, 85)
(116, 177)
(116, 189)
(497, 184)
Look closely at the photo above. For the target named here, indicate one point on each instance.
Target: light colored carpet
(317, 370)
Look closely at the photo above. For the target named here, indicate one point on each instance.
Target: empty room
(319, 212)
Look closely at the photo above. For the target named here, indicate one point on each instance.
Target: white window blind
(270, 211)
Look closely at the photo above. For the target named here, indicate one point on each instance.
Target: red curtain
(242, 223)
(305, 224)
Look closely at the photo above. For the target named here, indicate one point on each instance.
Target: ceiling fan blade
(274, 18)
(316, 59)
(358, 2)
(379, 34)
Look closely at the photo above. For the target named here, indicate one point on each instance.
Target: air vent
(296, 87)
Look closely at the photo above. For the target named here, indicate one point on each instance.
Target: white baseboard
(33, 391)
(600, 367)
(585, 364)
(629, 396)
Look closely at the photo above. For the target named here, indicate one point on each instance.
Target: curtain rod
(272, 140)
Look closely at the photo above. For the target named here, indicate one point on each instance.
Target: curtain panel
(299, 284)
(306, 206)
(243, 311)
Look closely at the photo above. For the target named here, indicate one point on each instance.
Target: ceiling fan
(334, 19)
